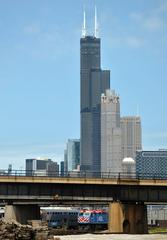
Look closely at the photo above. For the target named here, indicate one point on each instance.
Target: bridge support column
(127, 218)
(22, 213)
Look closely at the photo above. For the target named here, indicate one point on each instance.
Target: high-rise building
(111, 157)
(93, 82)
(65, 162)
(73, 154)
(131, 136)
(62, 168)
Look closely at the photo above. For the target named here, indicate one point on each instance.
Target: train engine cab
(92, 219)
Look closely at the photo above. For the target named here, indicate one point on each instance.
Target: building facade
(157, 215)
(111, 156)
(93, 82)
(62, 168)
(131, 136)
(151, 164)
(73, 154)
(65, 162)
(41, 167)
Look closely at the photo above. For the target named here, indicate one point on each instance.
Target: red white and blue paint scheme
(93, 217)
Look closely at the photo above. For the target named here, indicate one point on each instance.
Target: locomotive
(92, 219)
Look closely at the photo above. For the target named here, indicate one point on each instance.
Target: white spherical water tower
(129, 166)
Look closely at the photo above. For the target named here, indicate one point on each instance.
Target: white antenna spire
(96, 24)
(84, 24)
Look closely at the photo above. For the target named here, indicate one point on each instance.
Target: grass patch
(157, 230)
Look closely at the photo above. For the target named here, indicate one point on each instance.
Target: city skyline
(40, 90)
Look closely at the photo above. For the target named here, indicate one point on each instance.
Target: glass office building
(73, 154)
(151, 164)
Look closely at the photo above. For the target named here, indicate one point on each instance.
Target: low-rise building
(41, 167)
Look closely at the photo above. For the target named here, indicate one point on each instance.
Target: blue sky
(39, 71)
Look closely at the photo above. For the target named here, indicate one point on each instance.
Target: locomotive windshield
(84, 214)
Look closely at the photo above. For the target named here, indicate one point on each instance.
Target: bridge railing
(83, 174)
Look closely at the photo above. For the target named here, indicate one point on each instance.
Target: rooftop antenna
(96, 24)
(84, 24)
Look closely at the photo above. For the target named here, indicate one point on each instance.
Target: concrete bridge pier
(22, 213)
(127, 218)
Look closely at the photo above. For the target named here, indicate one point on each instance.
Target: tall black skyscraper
(93, 82)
